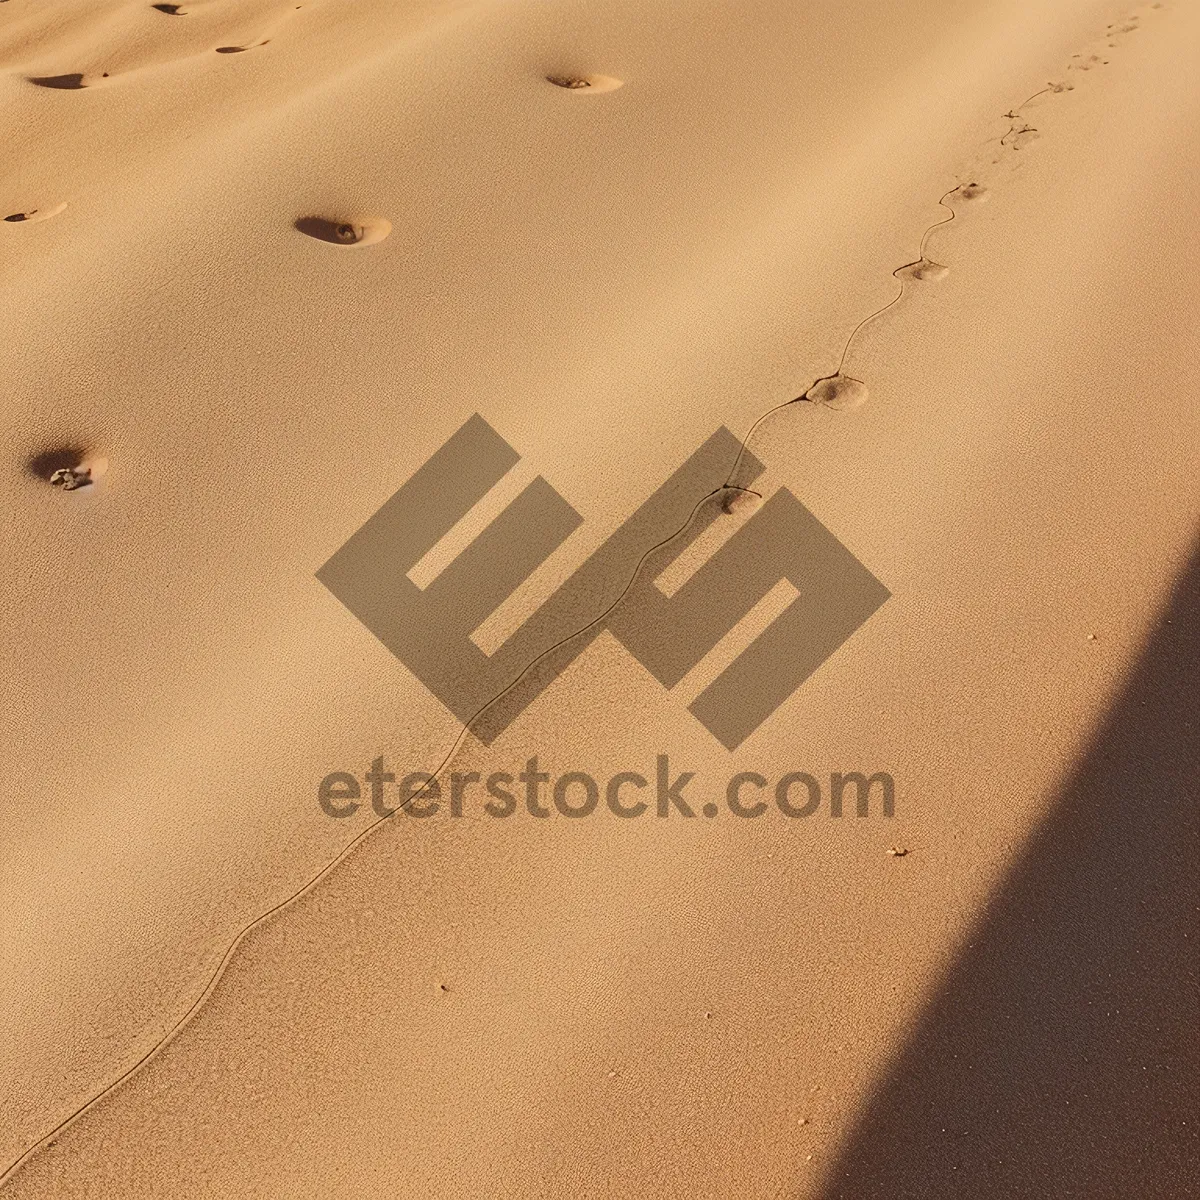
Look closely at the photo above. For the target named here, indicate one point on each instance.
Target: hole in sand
(585, 83)
(973, 191)
(36, 214)
(841, 392)
(345, 231)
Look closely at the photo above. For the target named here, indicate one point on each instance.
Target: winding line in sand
(215, 976)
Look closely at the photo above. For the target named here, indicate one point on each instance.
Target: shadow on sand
(1060, 1055)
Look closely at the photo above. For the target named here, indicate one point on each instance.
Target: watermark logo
(660, 792)
(429, 629)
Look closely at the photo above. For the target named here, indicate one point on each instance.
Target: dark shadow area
(1060, 1056)
(341, 233)
(47, 462)
(72, 82)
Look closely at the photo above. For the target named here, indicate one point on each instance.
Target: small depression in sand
(740, 502)
(593, 84)
(841, 392)
(345, 231)
(925, 269)
(974, 191)
(35, 214)
(73, 82)
(1018, 139)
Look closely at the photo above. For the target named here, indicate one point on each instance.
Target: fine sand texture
(934, 265)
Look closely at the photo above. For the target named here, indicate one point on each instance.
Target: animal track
(925, 269)
(1017, 138)
(843, 393)
(36, 214)
(345, 231)
(586, 83)
(833, 390)
(740, 502)
(846, 393)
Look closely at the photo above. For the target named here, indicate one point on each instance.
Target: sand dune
(935, 269)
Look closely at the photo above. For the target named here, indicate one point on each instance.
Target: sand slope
(598, 1007)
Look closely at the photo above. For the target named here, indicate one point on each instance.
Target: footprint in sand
(1051, 88)
(71, 83)
(586, 83)
(1019, 138)
(925, 269)
(843, 393)
(36, 214)
(349, 232)
(740, 502)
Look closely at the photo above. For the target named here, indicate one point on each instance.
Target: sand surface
(608, 275)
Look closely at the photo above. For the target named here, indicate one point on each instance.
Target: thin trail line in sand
(846, 348)
(214, 977)
(304, 889)
(1029, 99)
(896, 298)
